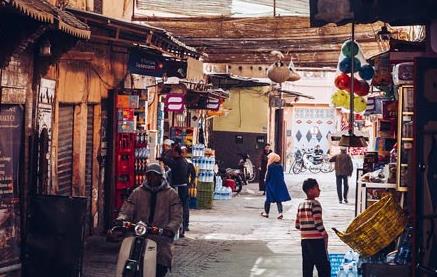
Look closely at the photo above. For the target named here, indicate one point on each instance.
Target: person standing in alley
(191, 174)
(276, 189)
(343, 170)
(179, 179)
(263, 167)
(314, 238)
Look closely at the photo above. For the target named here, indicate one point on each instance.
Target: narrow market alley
(232, 239)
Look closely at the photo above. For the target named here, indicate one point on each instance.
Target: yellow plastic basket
(375, 228)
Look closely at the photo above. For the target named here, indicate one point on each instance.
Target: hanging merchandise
(279, 72)
(351, 54)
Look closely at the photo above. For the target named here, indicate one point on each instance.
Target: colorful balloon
(339, 98)
(350, 49)
(345, 65)
(360, 104)
(342, 81)
(361, 87)
(366, 72)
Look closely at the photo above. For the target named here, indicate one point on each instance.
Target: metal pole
(351, 103)
(274, 8)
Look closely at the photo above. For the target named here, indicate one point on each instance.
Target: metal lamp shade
(352, 140)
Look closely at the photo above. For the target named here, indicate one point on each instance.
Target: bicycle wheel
(297, 167)
(327, 167)
(314, 169)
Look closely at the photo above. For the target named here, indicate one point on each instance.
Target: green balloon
(350, 49)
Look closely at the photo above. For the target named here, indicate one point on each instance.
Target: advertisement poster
(11, 125)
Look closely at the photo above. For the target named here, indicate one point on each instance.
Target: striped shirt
(309, 220)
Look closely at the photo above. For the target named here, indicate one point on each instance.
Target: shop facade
(399, 163)
(27, 49)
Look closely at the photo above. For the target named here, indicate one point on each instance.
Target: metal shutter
(65, 154)
(89, 167)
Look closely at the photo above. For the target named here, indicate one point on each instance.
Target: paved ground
(232, 239)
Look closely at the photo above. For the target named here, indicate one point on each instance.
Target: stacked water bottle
(221, 192)
(349, 267)
(206, 168)
(204, 163)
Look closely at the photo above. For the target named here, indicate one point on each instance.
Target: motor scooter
(232, 178)
(137, 254)
(247, 168)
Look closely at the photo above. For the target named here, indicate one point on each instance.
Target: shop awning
(294, 93)
(227, 81)
(45, 12)
(127, 33)
(395, 12)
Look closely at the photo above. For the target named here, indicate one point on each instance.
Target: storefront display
(131, 143)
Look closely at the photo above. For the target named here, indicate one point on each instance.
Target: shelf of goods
(405, 135)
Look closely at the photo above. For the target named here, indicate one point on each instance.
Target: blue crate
(336, 261)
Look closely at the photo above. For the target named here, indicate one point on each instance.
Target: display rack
(370, 193)
(405, 135)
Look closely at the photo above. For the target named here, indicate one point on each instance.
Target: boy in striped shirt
(313, 234)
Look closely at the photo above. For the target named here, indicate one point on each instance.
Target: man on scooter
(157, 204)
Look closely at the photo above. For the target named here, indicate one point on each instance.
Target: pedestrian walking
(263, 167)
(343, 170)
(276, 189)
(314, 238)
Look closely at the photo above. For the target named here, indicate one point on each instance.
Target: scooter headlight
(140, 229)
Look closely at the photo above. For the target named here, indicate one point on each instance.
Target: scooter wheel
(239, 186)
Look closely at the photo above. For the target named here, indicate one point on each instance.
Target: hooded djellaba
(276, 189)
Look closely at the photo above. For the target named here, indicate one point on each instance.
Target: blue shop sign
(151, 64)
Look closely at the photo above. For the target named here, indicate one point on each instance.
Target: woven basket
(375, 228)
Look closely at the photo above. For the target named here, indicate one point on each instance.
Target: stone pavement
(232, 239)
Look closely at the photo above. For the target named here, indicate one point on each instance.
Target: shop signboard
(11, 124)
(145, 63)
(174, 102)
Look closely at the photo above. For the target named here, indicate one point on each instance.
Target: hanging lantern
(278, 72)
(342, 81)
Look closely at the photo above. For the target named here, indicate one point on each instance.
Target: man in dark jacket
(179, 179)
(156, 204)
(263, 167)
(343, 170)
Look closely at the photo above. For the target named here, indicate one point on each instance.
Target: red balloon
(362, 88)
(342, 81)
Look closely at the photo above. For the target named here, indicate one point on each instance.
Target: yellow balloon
(360, 104)
(346, 104)
(339, 98)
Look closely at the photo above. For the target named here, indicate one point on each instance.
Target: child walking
(313, 234)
